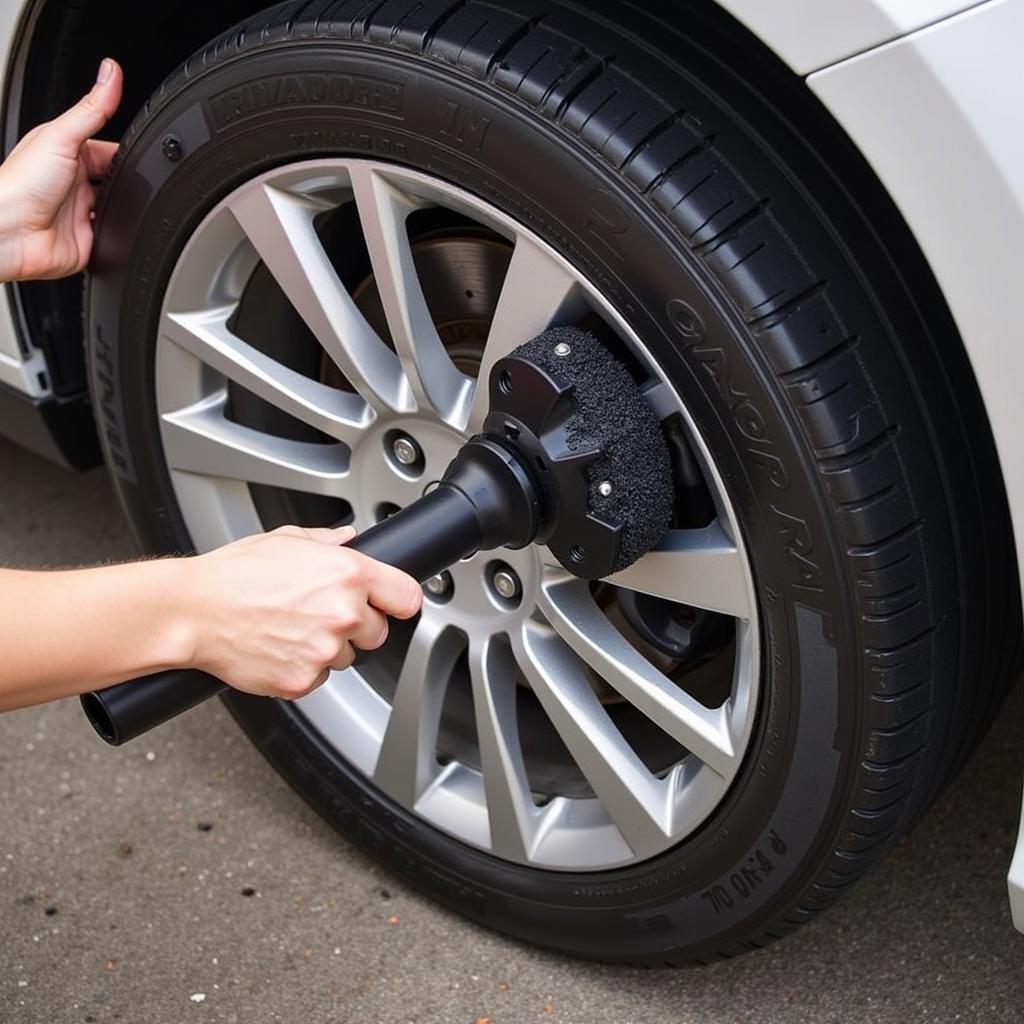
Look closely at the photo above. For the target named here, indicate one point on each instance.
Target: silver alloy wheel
(554, 637)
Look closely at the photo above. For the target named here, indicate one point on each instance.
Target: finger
(335, 535)
(85, 201)
(346, 655)
(392, 591)
(98, 157)
(288, 531)
(26, 139)
(372, 631)
(94, 109)
(343, 534)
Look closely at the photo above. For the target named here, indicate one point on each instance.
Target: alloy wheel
(546, 720)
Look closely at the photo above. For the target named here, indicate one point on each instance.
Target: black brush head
(613, 430)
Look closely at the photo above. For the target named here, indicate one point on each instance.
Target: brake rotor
(461, 272)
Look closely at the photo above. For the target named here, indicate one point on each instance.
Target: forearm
(64, 633)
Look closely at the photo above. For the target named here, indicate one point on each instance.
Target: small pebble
(204, 826)
(197, 997)
(248, 891)
(110, 965)
(50, 911)
(126, 849)
(150, 756)
(394, 919)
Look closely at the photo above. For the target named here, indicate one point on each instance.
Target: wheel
(319, 236)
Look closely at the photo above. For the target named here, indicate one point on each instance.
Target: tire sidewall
(766, 839)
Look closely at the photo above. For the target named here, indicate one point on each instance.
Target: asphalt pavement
(178, 879)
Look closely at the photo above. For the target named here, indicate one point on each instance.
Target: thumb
(95, 108)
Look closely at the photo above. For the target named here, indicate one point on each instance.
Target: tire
(738, 235)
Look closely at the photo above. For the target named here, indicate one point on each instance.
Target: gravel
(179, 879)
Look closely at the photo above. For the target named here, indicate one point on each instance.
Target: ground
(178, 879)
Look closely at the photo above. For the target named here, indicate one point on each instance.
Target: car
(796, 224)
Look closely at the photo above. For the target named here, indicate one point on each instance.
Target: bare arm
(269, 614)
(67, 632)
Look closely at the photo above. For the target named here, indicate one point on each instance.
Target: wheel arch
(52, 52)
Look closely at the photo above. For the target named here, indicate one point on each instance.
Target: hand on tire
(46, 186)
(272, 614)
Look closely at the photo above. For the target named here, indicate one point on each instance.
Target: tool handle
(120, 713)
(445, 515)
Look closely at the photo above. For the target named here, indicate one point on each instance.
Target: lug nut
(405, 450)
(439, 585)
(506, 584)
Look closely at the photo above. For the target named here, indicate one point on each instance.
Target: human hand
(273, 613)
(46, 191)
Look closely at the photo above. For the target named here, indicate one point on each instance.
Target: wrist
(178, 615)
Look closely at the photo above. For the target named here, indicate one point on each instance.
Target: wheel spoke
(436, 382)
(510, 808)
(408, 761)
(572, 611)
(199, 439)
(702, 568)
(205, 335)
(280, 226)
(537, 292)
(637, 801)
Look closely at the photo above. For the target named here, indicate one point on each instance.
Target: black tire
(746, 243)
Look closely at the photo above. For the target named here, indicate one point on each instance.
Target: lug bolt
(506, 584)
(562, 349)
(439, 585)
(405, 450)
(604, 488)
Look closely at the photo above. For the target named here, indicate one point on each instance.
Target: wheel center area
(397, 461)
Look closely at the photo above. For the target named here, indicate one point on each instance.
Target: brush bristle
(611, 414)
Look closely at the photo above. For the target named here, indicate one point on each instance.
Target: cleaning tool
(571, 455)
